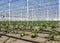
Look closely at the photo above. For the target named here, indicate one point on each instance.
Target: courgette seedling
(34, 34)
(12, 28)
(44, 26)
(53, 27)
(53, 34)
(0, 36)
(0, 27)
(22, 33)
(0, 31)
(7, 29)
(41, 29)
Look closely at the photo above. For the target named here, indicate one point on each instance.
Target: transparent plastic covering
(29, 10)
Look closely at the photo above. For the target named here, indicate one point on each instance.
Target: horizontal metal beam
(8, 2)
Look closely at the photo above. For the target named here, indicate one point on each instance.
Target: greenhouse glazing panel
(43, 9)
(29, 10)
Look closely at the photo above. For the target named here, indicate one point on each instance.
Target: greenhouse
(29, 21)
